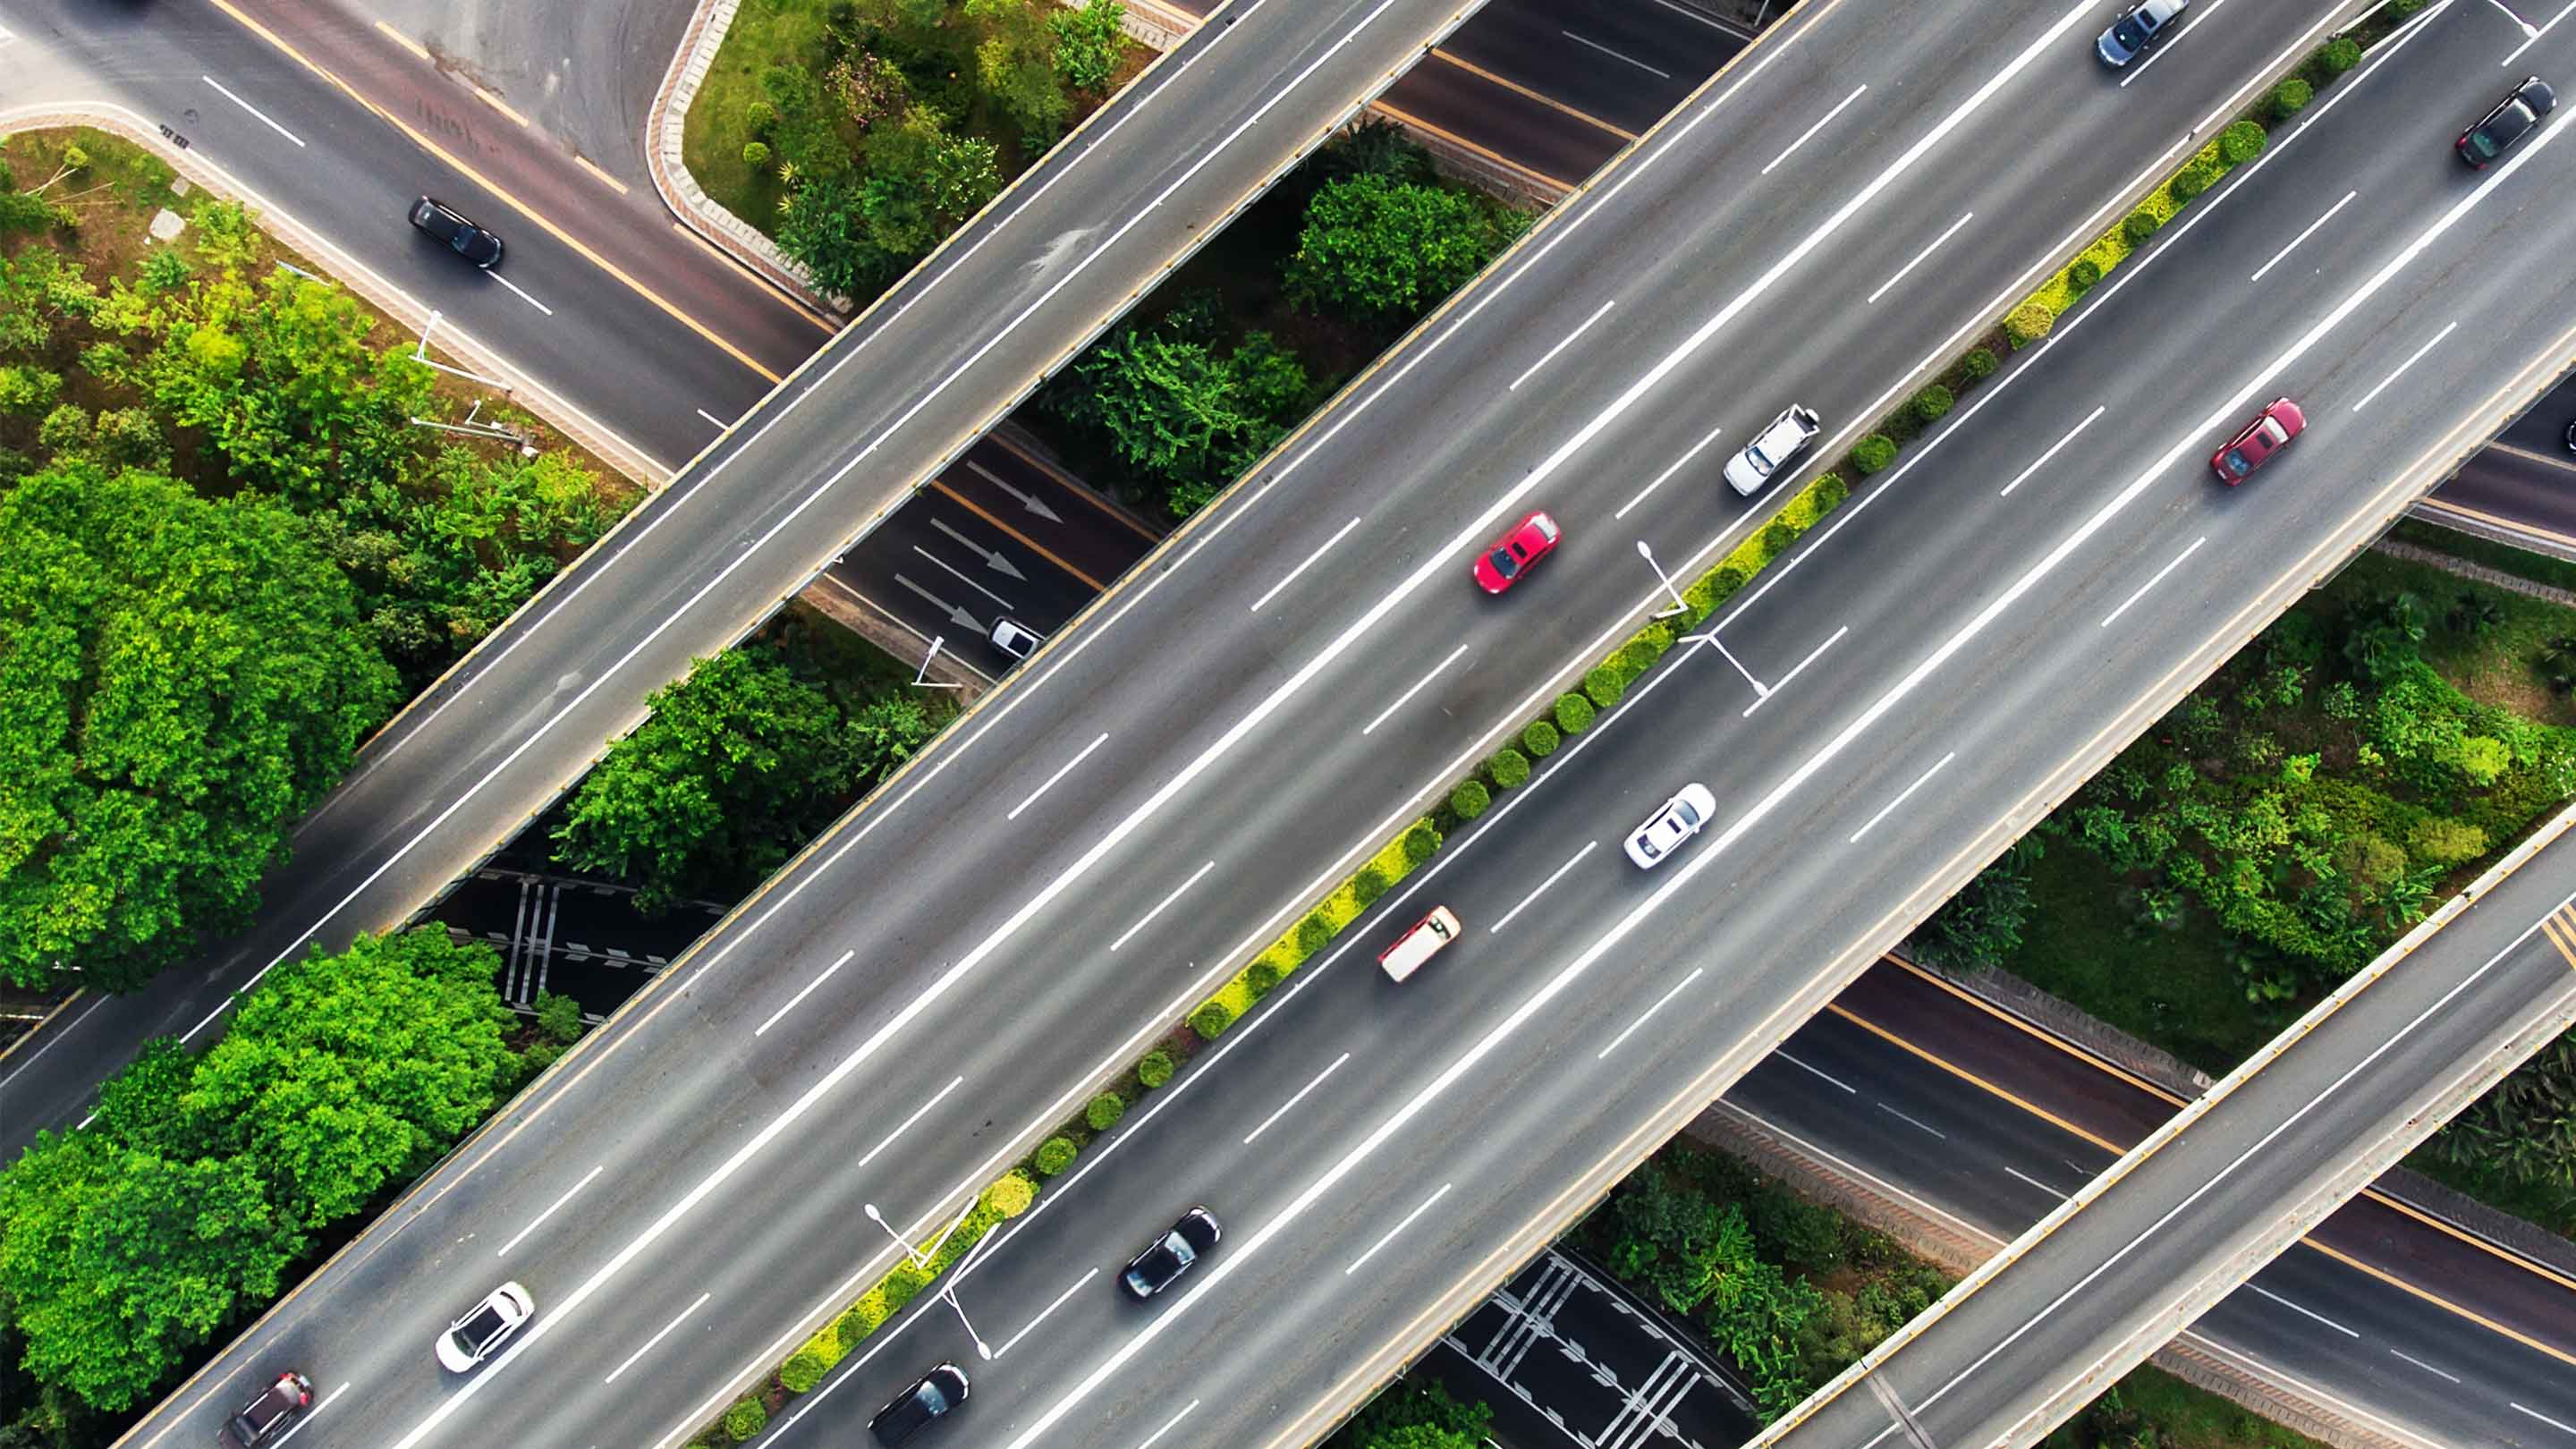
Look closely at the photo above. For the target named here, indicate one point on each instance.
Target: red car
(2272, 428)
(1531, 539)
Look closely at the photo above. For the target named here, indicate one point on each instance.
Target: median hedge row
(1315, 930)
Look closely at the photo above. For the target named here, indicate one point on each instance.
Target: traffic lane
(1526, 134)
(2521, 495)
(1623, 61)
(949, 570)
(1012, 481)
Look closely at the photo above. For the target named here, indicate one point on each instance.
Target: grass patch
(2540, 568)
(2171, 986)
(2181, 1417)
(2498, 667)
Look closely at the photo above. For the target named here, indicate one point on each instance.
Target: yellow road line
(2040, 1034)
(767, 288)
(1516, 88)
(496, 103)
(2402, 1286)
(1454, 139)
(1071, 484)
(1963, 1074)
(406, 42)
(1031, 544)
(558, 233)
(2499, 521)
(604, 178)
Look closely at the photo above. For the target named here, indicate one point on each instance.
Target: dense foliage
(737, 767)
(1179, 408)
(1376, 247)
(179, 1211)
(2523, 1134)
(1981, 925)
(1413, 1415)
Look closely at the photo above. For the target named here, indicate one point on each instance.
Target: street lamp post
(921, 1259)
(1682, 606)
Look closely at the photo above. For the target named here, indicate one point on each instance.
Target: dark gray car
(1169, 1256)
(462, 237)
(935, 1396)
(2140, 26)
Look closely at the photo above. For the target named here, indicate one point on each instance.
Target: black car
(1169, 1256)
(2140, 26)
(2514, 117)
(462, 237)
(938, 1394)
(2571, 435)
(280, 1404)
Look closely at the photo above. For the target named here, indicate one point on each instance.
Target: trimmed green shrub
(1368, 885)
(855, 1324)
(1878, 450)
(1510, 768)
(1420, 844)
(2343, 52)
(2291, 97)
(1831, 490)
(1104, 1111)
(1313, 934)
(1259, 978)
(1933, 403)
(1777, 535)
(755, 154)
(2142, 225)
(2083, 274)
(2028, 323)
(1211, 1019)
(1979, 364)
(805, 1367)
(1011, 1194)
(1056, 1153)
(758, 117)
(1573, 715)
(1470, 799)
(1639, 654)
(2244, 140)
(745, 1419)
(902, 1284)
(1604, 685)
(1540, 738)
(1156, 1068)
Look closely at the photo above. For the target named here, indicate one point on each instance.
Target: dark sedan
(280, 1404)
(935, 1396)
(460, 236)
(1169, 1256)
(2514, 117)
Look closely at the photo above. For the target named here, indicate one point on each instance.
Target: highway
(2148, 1247)
(844, 441)
(909, 1007)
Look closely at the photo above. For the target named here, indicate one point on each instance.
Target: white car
(1672, 826)
(1772, 449)
(485, 1327)
(1014, 638)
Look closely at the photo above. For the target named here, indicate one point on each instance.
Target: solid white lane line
(1060, 773)
(711, 417)
(1710, 21)
(1812, 130)
(1571, 862)
(961, 577)
(1919, 782)
(2532, 38)
(2035, 1182)
(1912, 1122)
(1678, 464)
(906, 1124)
(2042, 460)
(1812, 656)
(1811, 1071)
(2151, 583)
(2303, 236)
(1544, 358)
(2157, 54)
(1614, 55)
(2544, 1418)
(539, 1220)
(1304, 564)
(1432, 674)
(2411, 359)
(523, 294)
(254, 110)
(1604, 1053)
(792, 1001)
(1042, 1313)
(1399, 1227)
(2426, 1367)
(656, 1338)
(1159, 905)
(1919, 256)
(1293, 1101)
(327, 1401)
(1153, 1438)
(2305, 1312)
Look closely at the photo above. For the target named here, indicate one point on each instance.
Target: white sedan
(1772, 449)
(485, 1327)
(1665, 831)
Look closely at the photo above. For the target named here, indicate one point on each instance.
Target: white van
(1419, 944)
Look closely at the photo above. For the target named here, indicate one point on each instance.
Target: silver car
(1671, 827)
(1771, 450)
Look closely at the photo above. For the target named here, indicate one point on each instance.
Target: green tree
(1177, 409)
(1378, 249)
(825, 228)
(1413, 1415)
(739, 764)
(1981, 925)
(179, 680)
(345, 1074)
(40, 290)
(1087, 43)
(1015, 62)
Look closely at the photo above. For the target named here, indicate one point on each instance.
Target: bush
(1979, 364)
(854, 1325)
(2142, 225)
(1259, 978)
(2291, 97)
(1313, 934)
(1933, 403)
(1056, 1154)
(558, 1017)
(1877, 450)
(1011, 1194)
(2188, 183)
(1639, 654)
(1777, 535)
(2446, 842)
(745, 1419)
(1420, 844)
(1604, 685)
(903, 1283)
(1211, 1019)
(1104, 1111)
(2083, 274)
(1573, 713)
(1540, 738)
(804, 1368)
(2244, 140)
(2343, 52)
(1156, 1068)
(1470, 799)
(755, 154)
(2028, 323)
(1510, 768)
(1830, 489)
(1368, 885)
(759, 117)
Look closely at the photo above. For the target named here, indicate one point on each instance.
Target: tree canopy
(1378, 248)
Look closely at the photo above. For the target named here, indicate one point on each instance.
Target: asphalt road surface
(912, 1006)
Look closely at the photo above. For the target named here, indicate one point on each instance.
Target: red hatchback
(1531, 539)
(2271, 429)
